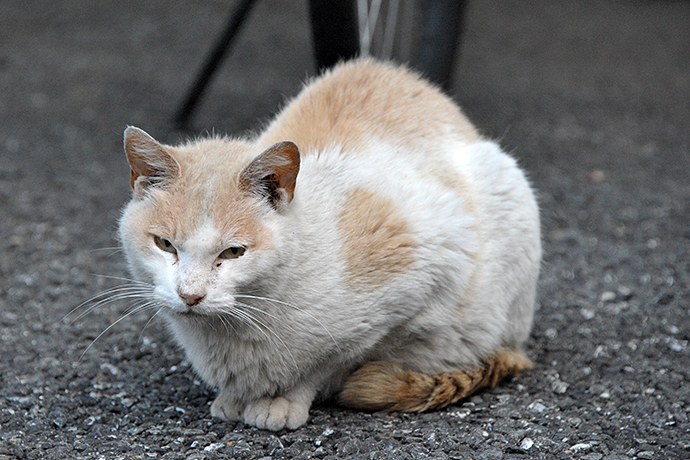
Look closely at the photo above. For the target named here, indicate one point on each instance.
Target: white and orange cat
(369, 245)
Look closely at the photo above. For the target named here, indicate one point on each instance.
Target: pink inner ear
(138, 169)
(140, 185)
(148, 158)
(277, 167)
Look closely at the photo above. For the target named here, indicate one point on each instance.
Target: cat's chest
(225, 353)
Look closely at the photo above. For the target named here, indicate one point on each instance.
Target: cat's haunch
(367, 246)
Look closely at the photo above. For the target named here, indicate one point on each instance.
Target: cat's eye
(232, 252)
(164, 245)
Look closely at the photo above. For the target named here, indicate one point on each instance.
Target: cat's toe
(275, 414)
(225, 409)
(267, 413)
(297, 416)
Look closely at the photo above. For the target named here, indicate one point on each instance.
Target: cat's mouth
(187, 313)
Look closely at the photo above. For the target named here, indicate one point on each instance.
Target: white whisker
(109, 295)
(122, 278)
(247, 306)
(141, 335)
(227, 323)
(114, 294)
(263, 328)
(294, 307)
(113, 250)
(136, 309)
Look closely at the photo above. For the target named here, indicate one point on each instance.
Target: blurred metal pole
(222, 46)
(334, 31)
(439, 38)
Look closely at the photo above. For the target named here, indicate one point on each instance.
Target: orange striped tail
(386, 385)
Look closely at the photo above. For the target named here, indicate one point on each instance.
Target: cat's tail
(386, 385)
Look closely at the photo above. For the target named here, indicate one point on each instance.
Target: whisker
(122, 278)
(103, 295)
(136, 309)
(239, 313)
(227, 323)
(243, 317)
(107, 296)
(141, 335)
(294, 307)
(113, 250)
(250, 321)
(264, 312)
(106, 248)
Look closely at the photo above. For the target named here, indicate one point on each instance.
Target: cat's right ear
(149, 161)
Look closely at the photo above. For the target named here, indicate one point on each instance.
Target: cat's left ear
(273, 174)
(149, 161)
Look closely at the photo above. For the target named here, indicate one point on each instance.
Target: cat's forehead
(204, 213)
(206, 158)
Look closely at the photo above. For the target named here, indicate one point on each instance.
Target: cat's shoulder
(364, 99)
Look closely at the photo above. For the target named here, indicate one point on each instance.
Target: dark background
(593, 98)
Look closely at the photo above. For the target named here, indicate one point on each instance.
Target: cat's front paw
(276, 413)
(226, 409)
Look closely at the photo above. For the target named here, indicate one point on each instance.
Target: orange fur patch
(385, 385)
(354, 103)
(377, 242)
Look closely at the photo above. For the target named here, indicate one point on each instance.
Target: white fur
(292, 329)
(317, 327)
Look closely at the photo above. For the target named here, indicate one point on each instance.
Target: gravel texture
(592, 96)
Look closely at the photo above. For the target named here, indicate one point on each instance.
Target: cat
(367, 246)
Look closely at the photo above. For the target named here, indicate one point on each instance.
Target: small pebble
(213, 447)
(624, 292)
(526, 444)
(462, 413)
(580, 447)
(599, 351)
(608, 296)
(536, 407)
(587, 313)
(559, 387)
(110, 368)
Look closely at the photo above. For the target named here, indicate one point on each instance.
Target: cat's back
(364, 100)
(391, 165)
(397, 180)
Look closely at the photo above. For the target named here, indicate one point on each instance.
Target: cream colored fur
(408, 239)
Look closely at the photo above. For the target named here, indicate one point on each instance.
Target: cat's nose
(191, 299)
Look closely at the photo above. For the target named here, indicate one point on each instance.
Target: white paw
(276, 413)
(226, 409)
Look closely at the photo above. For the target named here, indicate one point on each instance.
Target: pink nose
(191, 299)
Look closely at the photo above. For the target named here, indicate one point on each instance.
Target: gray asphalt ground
(592, 96)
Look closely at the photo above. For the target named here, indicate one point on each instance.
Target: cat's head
(205, 219)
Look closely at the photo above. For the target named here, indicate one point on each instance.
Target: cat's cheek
(167, 296)
(236, 272)
(163, 273)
